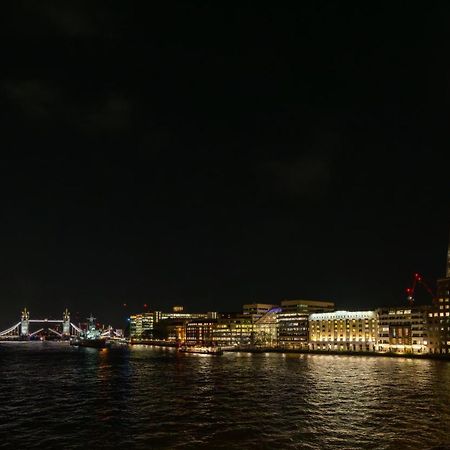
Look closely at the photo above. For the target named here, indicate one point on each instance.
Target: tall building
(403, 330)
(343, 330)
(439, 317)
(141, 325)
(448, 260)
(293, 321)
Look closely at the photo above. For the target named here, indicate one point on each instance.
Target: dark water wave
(54, 396)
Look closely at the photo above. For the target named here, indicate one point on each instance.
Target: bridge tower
(66, 323)
(25, 323)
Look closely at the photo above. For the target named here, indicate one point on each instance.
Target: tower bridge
(62, 329)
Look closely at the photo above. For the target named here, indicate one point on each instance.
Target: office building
(343, 331)
(439, 317)
(233, 330)
(170, 330)
(403, 330)
(293, 321)
(178, 312)
(200, 332)
(266, 329)
(141, 325)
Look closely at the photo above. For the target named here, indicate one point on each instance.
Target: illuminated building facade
(293, 321)
(439, 318)
(183, 315)
(233, 330)
(343, 330)
(266, 329)
(403, 330)
(141, 325)
(171, 330)
(448, 261)
(200, 332)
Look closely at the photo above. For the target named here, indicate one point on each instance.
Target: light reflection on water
(143, 397)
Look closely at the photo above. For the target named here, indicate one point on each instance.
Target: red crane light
(411, 291)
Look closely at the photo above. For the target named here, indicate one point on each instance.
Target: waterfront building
(293, 321)
(439, 318)
(170, 330)
(439, 315)
(200, 332)
(232, 330)
(141, 325)
(343, 330)
(266, 329)
(403, 330)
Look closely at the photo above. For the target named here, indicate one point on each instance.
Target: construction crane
(410, 291)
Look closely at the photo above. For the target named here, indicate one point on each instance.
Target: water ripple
(55, 396)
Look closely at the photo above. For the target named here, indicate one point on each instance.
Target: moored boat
(201, 350)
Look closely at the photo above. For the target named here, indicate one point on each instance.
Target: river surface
(57, 396)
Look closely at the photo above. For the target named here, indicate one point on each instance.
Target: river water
(57, 396)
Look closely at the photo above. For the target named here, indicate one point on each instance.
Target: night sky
(210, 155)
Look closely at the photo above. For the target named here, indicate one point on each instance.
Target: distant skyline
(212, 156)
